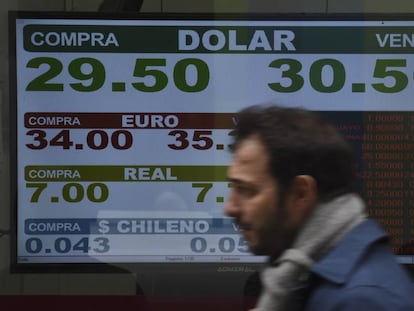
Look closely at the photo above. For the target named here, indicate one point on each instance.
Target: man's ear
(302, 197)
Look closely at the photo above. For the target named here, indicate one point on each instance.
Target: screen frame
(184, 267)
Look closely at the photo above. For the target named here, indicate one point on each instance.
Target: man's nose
(231, 208)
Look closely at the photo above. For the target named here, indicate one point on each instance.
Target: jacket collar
(337, 265)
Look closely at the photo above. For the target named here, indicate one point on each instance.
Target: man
(293, 200)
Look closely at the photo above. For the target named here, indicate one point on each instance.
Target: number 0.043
(65, 245)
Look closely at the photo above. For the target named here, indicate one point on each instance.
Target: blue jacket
(361, 274)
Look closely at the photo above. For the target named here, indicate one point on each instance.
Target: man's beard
(277, 236)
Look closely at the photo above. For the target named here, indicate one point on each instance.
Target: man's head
(285, 161)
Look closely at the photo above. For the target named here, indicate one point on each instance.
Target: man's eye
(245, 191)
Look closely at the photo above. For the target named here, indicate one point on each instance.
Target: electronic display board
(122, 126)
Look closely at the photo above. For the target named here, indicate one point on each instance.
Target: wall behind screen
(125, 283)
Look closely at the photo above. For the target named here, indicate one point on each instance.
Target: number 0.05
(224, 245)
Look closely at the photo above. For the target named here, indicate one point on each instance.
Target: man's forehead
(250, 148)
(250, 165)
(251, 156)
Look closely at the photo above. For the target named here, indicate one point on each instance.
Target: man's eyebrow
(236, 181)
(239, 182)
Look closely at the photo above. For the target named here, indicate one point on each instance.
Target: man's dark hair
(300, 143)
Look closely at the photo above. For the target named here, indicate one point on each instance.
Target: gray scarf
(327, 224)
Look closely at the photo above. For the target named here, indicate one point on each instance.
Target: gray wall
(125, 283)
